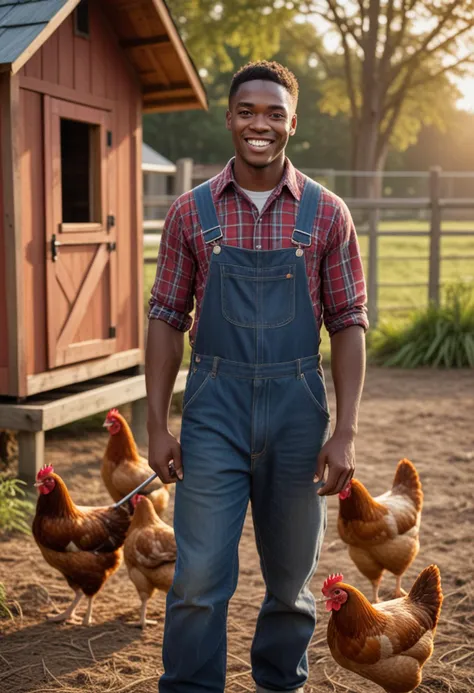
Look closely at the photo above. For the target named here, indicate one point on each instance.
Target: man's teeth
(259, 143)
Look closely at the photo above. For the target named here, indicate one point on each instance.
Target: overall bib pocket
(316, 391)
(258, 298)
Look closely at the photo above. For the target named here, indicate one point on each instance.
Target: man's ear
(294, 122)
(228, 120)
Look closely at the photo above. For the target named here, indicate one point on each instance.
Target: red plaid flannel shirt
(333, 263)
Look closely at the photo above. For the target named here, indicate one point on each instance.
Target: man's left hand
(338, 455)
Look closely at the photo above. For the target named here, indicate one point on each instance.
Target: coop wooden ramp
(53, 409)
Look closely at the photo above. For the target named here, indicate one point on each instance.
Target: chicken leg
(143, 619)
(87, 620)
(399, 592)
(68, 615)
(375, 587)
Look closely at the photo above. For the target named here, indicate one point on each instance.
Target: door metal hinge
(112, 246)
(110, 221)
(112, 331)
(109, 138)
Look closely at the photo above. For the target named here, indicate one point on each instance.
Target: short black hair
(266, 70)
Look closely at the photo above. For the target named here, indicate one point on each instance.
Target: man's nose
(259, 124)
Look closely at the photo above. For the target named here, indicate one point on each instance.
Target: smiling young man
(266, 255)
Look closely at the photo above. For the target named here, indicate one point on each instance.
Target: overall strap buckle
(303, 231)
(210, 226)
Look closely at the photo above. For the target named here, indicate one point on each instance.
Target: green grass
(392, 270)
(15, 508)
(437, 336)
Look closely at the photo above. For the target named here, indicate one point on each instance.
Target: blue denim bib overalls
(254, 420)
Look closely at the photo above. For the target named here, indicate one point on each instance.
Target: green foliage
(213, 30)
(14, 507)
(437, 336)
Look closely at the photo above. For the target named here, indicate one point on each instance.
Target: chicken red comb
(136, 499)
(330, 581)
(346, 492)
(45, 471)
(113, 412)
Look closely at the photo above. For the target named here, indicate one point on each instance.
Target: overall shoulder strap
(210, 227)
(308, 206)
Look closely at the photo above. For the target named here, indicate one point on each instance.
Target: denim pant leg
(210, 508)
(290, 521)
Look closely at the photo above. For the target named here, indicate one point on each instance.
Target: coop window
(80, 172)
(81, 19)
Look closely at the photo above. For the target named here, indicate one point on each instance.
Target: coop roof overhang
(145, 30)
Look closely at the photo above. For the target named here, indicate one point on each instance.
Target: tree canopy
(372, 73)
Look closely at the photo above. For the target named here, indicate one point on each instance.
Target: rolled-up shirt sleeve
(172, 293)
(344, 293)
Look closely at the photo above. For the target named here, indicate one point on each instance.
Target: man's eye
(244, 113)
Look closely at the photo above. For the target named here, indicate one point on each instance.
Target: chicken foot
(68, 615)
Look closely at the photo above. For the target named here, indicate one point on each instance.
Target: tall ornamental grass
(438, 336)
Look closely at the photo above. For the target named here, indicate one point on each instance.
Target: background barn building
(75, 79)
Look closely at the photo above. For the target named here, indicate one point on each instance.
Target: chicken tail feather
(407, 482)
(426, 593)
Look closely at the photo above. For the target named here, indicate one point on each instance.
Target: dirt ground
(425, 416)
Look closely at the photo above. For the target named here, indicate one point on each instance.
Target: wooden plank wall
(3, 292)
(94, 66)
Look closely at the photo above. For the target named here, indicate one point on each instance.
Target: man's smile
(258, 144)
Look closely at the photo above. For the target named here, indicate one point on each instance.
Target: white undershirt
(258, 198)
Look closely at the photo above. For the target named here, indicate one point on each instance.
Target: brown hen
(150, 553)
(123, 469)
(383, 532)
(83, 543)
(389, 642)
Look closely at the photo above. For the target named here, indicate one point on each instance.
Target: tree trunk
(368, 156)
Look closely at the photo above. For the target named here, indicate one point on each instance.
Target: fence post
(184, 176)
(372, 273)
(435, 236)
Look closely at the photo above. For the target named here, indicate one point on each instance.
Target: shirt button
(198, 359)
(258, 247)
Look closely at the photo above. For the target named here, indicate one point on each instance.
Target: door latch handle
(54, 247)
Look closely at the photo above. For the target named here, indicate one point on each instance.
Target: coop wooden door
(80, 232)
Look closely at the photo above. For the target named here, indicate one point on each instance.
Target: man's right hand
(164, 456)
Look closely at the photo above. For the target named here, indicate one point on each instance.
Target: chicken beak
(38, 483)
(106, 424)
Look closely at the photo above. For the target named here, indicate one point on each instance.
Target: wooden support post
(184, 176)
(372, 271)
(30, 454)
(139, 420)
(435, 236)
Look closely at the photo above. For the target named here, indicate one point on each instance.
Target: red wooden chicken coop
(75, 78)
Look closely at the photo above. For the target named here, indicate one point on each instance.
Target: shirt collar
(289, 179)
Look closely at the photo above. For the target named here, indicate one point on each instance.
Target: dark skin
(261, 118)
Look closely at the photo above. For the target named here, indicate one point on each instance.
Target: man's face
(261, 118)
